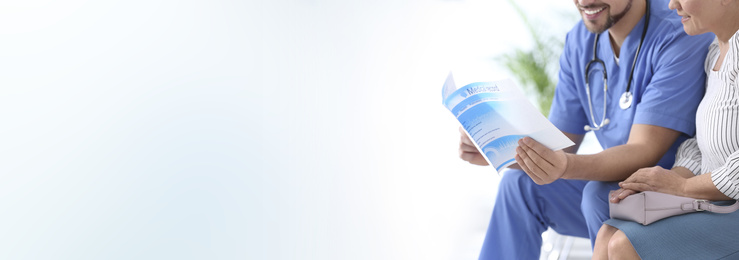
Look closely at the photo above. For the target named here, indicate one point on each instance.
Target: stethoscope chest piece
(626, 100)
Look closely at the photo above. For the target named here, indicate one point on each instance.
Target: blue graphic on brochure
(496, 115)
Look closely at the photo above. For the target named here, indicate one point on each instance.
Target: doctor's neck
(623, 27)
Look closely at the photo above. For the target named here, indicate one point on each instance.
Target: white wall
(243, 130)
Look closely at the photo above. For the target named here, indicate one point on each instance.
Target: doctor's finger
(534, 168)
(467, 147)
(539, 148)
(473, 158)
(464, 134)
(465, 139)
(536, 158)
(526, 169)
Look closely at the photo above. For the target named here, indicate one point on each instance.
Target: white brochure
(496, 115)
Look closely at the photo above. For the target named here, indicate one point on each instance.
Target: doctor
(630, 74)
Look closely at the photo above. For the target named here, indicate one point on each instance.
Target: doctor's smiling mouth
(593, 14)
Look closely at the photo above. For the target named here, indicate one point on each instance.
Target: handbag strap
(705, 205)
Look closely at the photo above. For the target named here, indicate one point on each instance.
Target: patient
(706, 167)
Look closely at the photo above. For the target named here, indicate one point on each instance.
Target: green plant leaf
(535, 68)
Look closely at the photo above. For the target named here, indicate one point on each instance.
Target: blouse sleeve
(726, 177)
(689, 156)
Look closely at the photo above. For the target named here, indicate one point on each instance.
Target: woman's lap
(701, 235)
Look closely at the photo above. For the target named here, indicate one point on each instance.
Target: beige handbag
(649, 206)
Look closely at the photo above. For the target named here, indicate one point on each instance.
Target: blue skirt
(700, 235)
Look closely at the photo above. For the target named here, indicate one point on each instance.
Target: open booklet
(496, 115)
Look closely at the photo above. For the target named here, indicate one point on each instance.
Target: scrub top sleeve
(678, 82)
(567, 112)
(689, 156)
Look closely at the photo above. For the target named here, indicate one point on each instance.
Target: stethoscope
(626, 98)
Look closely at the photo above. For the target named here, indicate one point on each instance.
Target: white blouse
(715, 147)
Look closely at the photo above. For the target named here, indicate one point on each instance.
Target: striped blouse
(715, 147)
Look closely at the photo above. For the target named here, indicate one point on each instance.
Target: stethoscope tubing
(604, 121)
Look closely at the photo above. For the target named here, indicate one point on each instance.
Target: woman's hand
(655, 179)
(620, 194)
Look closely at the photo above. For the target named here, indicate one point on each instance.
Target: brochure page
(496, 115)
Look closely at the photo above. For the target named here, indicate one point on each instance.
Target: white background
(280, 129)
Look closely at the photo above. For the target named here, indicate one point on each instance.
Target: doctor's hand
(656, 179)
(542, 164)
(468, 151)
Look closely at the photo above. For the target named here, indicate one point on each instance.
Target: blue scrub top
(668, 82)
